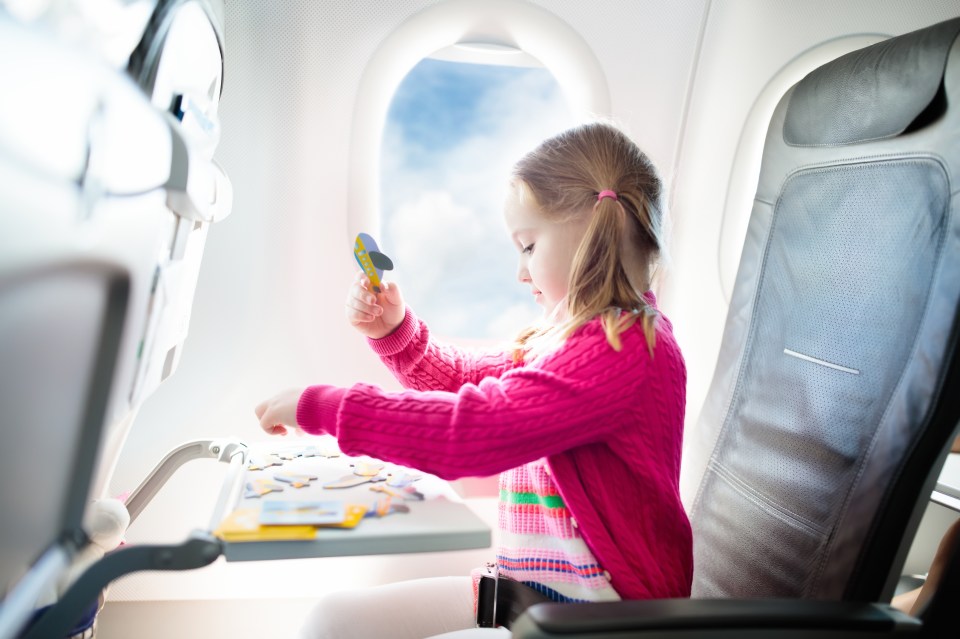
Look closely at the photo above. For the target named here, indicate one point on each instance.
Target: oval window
(457, 123)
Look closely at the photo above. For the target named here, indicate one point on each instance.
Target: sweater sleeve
(421, 363)
(570, 398)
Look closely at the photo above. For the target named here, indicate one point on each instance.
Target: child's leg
(405, 610)
(914, 601)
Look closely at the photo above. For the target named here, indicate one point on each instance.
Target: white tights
(415, 609)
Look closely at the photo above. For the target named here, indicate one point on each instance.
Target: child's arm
(572, 398)
(421, 363)
(403, 342)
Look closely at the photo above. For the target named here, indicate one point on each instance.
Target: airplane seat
(105, 199)
(57, 379)
(178, 64)
(836, 392)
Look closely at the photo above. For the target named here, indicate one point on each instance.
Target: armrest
(200, 549)
(696, 617)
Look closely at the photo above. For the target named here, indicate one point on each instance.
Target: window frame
(533, 30)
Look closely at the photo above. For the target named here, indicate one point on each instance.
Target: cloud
(443, 194)
(431, 231)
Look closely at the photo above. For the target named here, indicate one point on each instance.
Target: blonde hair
(564, 176)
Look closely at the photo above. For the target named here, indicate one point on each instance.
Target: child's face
(546, 248)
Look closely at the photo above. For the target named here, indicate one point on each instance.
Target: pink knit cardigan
(608, 423)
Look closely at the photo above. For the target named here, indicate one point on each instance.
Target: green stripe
(549, 501)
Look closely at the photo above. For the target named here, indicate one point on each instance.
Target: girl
(583, 419)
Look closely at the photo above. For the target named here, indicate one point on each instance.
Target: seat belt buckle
(487, 596)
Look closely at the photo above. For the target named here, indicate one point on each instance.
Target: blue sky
(453, 132)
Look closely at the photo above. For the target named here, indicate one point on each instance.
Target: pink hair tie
(610, 194)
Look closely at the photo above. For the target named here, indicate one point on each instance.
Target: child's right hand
(375, 315)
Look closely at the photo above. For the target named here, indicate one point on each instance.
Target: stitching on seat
(767, 504)
(820, 362)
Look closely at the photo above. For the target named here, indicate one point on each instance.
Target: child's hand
(375, 315)
(278, 414)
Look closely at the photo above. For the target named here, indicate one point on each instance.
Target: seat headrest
(872, 93)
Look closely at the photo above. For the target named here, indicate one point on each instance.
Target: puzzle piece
(408, 493)
(267, 462)
(371, 260)
(412, 494)
(381, 507)
(384, 506)
(354, 513)
(287, 513)
(297, 481)
(402, 479)
(261, 487)
(327, 450)
(348, 481)
(383, 488)
(243, 525)
(367, 469)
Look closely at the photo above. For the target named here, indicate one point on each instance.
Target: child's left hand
(278, 414)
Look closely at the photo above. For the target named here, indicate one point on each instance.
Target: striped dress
(540, 545)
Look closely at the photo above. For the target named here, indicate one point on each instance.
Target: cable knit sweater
(608, 423)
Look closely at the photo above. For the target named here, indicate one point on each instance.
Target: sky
(453, 132)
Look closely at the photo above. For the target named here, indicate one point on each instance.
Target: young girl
(583, 419)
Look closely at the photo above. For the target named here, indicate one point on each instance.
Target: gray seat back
(60, 328)
(840, 329)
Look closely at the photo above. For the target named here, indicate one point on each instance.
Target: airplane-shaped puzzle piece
(371, 260)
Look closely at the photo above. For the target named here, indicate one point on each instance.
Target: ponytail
(596, 170)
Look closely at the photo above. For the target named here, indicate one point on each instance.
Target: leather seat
(835, 394)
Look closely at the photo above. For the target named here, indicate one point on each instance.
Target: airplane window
(453, 131)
